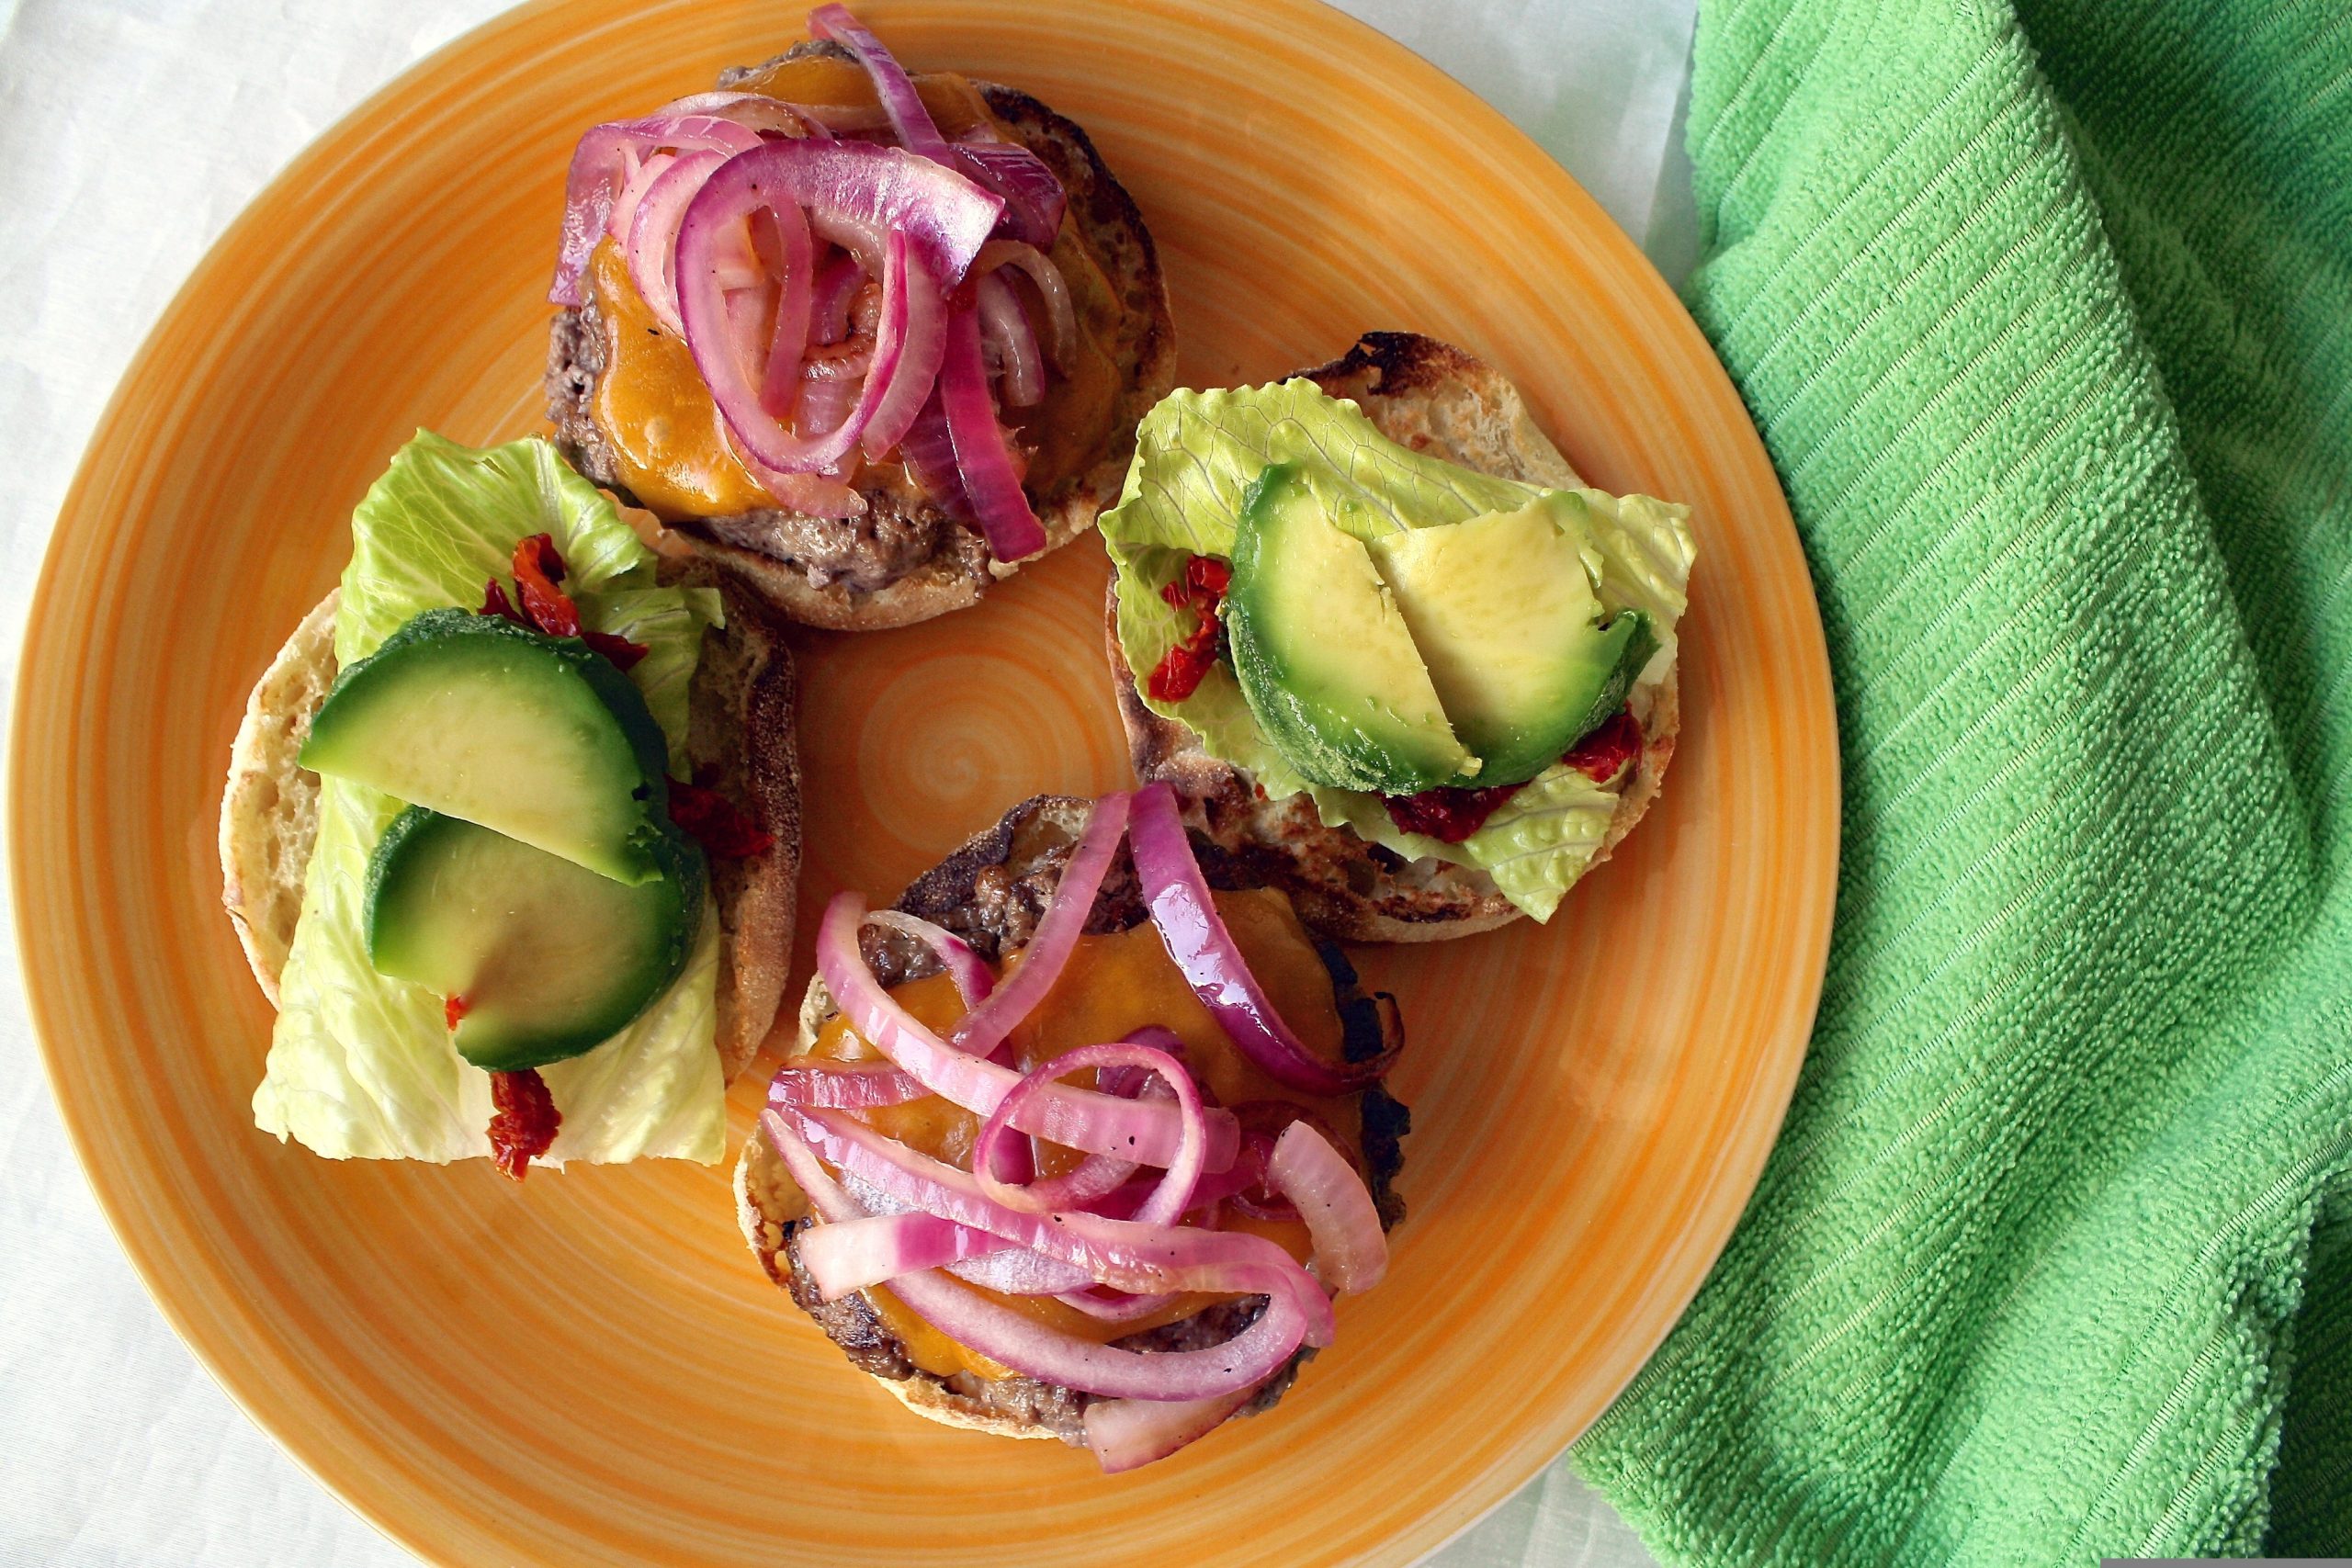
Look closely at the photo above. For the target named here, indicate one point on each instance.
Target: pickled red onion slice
(1350, 1249)
(1168, 1202)
(892, 85)
(842, 1256)
(991, 480)
(1124, 1254)
(1061, 315)
(600, 170)
(970, 972)
(1058, 929)
(653, 230)
(1004, 327)
(1197, 940)
(1126, 1433)
(1147, 1131)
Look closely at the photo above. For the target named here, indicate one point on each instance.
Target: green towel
(2045, 314)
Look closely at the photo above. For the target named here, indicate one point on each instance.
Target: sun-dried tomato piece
(537, 570)
(1602, 755)
(620, 649)
(712, 820)
(525, 1121)
(494, 601)
(549, 609)
(1447, 814)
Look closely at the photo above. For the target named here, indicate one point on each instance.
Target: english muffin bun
(991, 891)
(1434, 397)
(739, 738)
(905, 560)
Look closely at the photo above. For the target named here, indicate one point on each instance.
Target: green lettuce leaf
(361, 1066)
(1196, 456)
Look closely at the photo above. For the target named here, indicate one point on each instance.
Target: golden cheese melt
(1113, 985)
(669, 446)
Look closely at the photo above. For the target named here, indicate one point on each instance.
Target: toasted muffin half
(739, 737)
(1434, 397)
(991, 891)
(906, 560)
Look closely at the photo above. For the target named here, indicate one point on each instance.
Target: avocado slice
(543, 959)
(536, 737)
(1502, 609)
(1324, 660)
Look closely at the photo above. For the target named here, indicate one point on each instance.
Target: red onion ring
(1058, 929)
(998, 1266)
(1168, 1201)
(823, 405)
(821, 495)
(1004, 327)
(1197, 940)
(929, 453)
(990, 480)
(908, 345)
(600, 169)
(1033, 199)
(844, 1086)
(1061, 316)
(754, 111)
(1126, 1434)
(896, 90)
(847, 1255)
(795, 269)
(970, 971)
(653, 229)
(1032, 196)
(1124, 1254)
(906, 341)
(1147, 1131)
(1350, 1249)
(642, 172)
(837, 280)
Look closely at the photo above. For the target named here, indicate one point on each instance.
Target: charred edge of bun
(990, 891)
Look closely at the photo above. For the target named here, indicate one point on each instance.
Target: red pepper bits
(712, 820)
(1603, 754)
(548, 608)
(454, 1011)
(1202, 587)
(1449, 814)
(524, 1124)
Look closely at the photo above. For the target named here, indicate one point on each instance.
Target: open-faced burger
(1391, 651)
(1081, 1136)
(511, 832)
(868, 340)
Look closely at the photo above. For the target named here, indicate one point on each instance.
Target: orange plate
(590, 1370)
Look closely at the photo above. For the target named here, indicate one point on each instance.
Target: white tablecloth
(133, 131)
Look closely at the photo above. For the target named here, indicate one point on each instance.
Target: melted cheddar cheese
(1113, 985)
(669, 444)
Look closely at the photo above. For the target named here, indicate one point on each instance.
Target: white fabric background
(133, 131)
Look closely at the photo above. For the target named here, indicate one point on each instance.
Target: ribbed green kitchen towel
(2045, 312)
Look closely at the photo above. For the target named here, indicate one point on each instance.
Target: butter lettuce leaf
(1196, 456)
(360, 1065)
